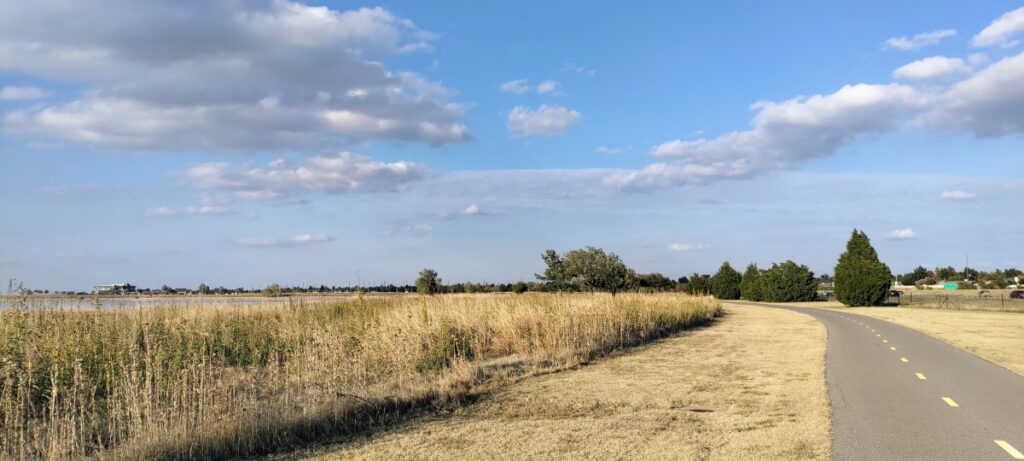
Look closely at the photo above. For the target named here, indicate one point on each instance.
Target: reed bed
(201, 382)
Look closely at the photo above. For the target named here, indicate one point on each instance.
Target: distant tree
(683, 280)
(1012, 272)
(166, 289)
(911, 278)
(725, 284)
(654, 282)
(273, 290)
(428, 282)
(750, 284)
(788, 282)
(520, 287)
(926, 281)
(968, 274)
(591, 269)
(554, 274)
(204, 289)
(945, 273)
(861, 279)
(700, 285)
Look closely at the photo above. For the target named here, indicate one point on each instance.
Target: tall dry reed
(201, 381)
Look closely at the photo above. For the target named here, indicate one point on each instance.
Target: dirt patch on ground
(750, 387)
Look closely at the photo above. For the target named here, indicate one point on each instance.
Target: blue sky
(240, 143)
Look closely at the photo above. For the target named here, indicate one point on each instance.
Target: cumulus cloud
(547, 86)
(988, 103)
(415, 230)
(295, 240)
(344, 172)
(920, 40)
(17, 93)
(901, 234)
(1001, 30)
(957, 195)
(545, 120)
(471, 210)
(935, 66)
(223, 76)
(518, 86)
(783, 134)
(686, 247)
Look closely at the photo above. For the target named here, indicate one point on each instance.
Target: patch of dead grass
(751, 387)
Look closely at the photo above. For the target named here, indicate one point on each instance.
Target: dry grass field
(750, 387)
(996, 336)
(220, 381)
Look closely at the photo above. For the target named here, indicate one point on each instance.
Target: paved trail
(898, 394)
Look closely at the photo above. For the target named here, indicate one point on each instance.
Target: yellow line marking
(920, 376)
(879, 336)
(892, 348)
(903, 359)
(950, 402)
(1009, 449)
(885, 340)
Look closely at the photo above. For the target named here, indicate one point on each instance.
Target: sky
(241, 143)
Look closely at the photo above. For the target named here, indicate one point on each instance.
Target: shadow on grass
(354, 418)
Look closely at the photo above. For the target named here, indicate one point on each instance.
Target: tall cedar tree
(726, 282)
(861, 279)
(750, 285)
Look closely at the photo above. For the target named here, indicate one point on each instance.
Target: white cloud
(604, 150)
(783, 134)
(546, 120)
(686, 247)
(223, 76)
(920, 40)
(518, 86)
(344, 172)
(547, 86)
(471, 210)
(161, 211)
(16, 93)
(901, 234)
(932, 67)
(295, 240)
(957, 195)
(1000, 31)
(988, 103)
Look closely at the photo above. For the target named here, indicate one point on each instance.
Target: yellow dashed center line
(892, 348)
(903, 359)
(879, 336)
(885, 340)
(920, 376)
(1009, 449)
(950, 402)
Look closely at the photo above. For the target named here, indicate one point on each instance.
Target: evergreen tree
(861, 279)
(699, 285)
(788, 282)
(726, 282)
(750, 285)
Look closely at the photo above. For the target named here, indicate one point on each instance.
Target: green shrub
(788, 282)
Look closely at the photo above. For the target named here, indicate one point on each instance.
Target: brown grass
(751, 387)
(200, 381)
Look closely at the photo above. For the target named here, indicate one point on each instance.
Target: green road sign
(950, 286)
